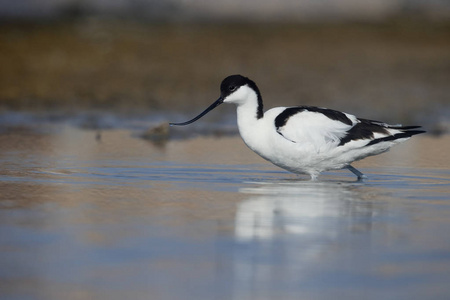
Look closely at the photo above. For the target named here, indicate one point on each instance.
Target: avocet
(305, 139)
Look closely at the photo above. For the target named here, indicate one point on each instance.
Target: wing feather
(325, 128)
(320, 127)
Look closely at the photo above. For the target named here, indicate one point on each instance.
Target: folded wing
(324, 129)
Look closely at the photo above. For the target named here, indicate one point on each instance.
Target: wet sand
(114, 216)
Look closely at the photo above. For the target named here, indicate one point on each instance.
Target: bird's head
(235, 89)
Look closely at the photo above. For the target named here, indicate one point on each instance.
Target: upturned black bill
(211, 107)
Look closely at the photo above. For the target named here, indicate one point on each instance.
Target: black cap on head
(233, 82)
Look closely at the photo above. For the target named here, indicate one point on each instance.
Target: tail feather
(405, 134)
(400, 127)
(385, 125)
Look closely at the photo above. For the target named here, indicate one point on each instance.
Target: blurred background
(144, 212)
(380, 59)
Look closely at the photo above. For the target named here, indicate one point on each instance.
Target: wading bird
(305, 139)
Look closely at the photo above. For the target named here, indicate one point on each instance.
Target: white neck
(247, 120)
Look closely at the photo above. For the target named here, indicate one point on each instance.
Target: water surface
(85, 215)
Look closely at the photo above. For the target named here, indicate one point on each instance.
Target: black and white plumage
(305, 139)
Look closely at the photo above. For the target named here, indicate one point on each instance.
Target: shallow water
(89, 215)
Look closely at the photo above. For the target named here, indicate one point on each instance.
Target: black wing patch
(366, 129)
(405, 134)
(363, 130)
(284, 116)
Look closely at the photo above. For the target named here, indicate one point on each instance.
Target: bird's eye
(232, 88)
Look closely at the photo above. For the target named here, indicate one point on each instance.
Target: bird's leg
(356, 172)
